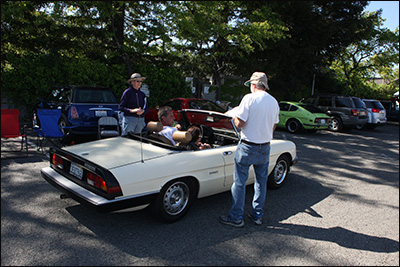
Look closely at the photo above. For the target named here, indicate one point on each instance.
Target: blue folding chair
(49, 130)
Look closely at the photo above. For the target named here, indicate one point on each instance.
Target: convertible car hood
(114, 152)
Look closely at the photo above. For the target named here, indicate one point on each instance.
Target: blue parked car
(81, 106)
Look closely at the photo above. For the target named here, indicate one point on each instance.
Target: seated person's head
(166, 116)
(196, 133)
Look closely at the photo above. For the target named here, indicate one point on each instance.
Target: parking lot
(339, 206)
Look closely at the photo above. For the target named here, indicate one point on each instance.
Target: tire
(63, 123)
(174, 200)
(336, 124)
(360, 126)
(294, 126)
(279, 173)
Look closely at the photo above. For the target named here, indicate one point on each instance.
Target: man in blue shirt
(133, 104)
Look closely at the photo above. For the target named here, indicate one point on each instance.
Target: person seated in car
(196, 143)
(166, 117)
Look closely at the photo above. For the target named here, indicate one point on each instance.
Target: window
(343, 102)
(325, 101)
(174, 104)
(284, 106)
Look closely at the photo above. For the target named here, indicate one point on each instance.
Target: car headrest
(182, 137)
(154, 126)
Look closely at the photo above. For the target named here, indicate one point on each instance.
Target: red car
(178, 104)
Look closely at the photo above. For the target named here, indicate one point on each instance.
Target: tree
(374, 56)
(211, 34)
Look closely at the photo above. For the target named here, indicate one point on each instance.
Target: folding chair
(10, 128)
(49, 130)
(107, 127)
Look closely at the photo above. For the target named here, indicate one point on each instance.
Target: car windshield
(90, 95)
(205, 105)
(311, 108)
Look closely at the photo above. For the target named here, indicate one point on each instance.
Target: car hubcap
(334, 125)
(176, 198)
(280, 172)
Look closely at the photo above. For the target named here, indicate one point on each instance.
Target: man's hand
(138, 111)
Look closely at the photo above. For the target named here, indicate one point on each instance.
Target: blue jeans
(247, 155)
(134, 124)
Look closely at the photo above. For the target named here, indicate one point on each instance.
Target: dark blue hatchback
(81, 106)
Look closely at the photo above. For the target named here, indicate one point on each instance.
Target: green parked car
(296, 117)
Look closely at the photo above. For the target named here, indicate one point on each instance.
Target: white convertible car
(135, 171)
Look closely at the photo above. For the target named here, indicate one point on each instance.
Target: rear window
(359, 103)
(374, 104)
(343, 102)
(90, 95)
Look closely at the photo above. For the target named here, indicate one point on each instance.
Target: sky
(390, 12)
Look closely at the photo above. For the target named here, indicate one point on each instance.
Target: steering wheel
(208, 134)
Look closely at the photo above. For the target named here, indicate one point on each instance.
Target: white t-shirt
(168, 131)
(260, 111)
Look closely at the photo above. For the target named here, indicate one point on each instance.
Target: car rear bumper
(316, 126)
(90, 199)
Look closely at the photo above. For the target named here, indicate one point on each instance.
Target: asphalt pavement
(339, 206)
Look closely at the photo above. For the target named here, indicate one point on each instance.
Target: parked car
(81, 107)
(362, 112)
(296, 117)
(133, 172)
(178, 104)
(392, 109)
(376, 113)
(341, 108)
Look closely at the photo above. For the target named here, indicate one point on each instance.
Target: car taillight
(354, 112)
(58, 161)
(375, 110)
(98, 182)
(74, 113)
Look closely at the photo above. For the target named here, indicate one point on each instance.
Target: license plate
(363, 113)
(100, 113)
(323, 121)
(76, 171)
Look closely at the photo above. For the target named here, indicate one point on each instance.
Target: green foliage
(233, 92)
(103, 42)
(164, 83)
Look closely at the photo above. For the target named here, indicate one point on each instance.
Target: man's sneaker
(229, 221)
(257, 221)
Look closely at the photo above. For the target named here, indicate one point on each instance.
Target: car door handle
(226, 153)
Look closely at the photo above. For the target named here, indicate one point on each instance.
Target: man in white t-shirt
(257, 116)
(166, 117)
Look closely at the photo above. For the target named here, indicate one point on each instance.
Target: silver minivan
(376, 113)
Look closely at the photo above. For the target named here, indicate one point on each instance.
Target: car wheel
(336, 124)
(62, 123)
(294, 126)
(35, 120)
(360, 126)
(279, 173)
(174, 200)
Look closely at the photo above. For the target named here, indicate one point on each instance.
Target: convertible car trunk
(113, 152)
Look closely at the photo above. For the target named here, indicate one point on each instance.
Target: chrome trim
(82, 192)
